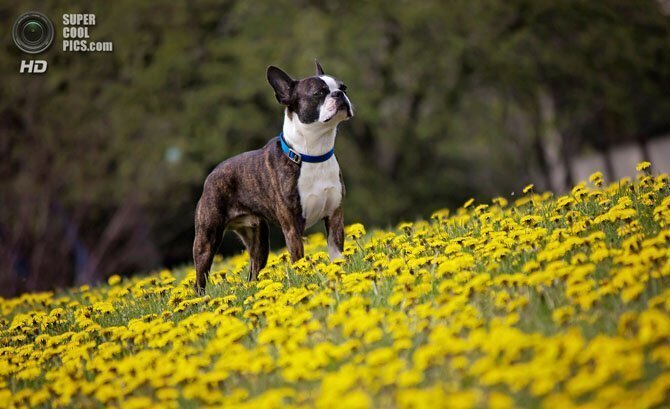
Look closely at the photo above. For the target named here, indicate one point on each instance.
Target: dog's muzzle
(343, 103)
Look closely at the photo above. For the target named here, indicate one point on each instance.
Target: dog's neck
(312, 139)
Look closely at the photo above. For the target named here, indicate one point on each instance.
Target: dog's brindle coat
(249, 190)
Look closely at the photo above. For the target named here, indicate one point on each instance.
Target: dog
(293, 181)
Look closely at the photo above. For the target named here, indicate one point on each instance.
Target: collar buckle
(294, 156)
(298, 158)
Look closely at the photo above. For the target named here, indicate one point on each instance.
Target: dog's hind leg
(255, 236)
(208, 236)
(260, 250)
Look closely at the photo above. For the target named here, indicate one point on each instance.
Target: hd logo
(33, 33)
(33, 67)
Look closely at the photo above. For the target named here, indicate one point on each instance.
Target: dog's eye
(321, 92)
(343, 88)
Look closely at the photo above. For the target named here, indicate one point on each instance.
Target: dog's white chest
(320, 190)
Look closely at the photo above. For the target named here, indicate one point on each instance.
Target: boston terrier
(293, 181)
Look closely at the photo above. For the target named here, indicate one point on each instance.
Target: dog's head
(320, 98)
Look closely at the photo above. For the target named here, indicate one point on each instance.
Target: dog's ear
(282, 83)
(319, 68)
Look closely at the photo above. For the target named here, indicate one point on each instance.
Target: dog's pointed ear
(282, 83)
(319, 68)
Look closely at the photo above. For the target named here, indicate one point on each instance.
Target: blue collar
(298, 157)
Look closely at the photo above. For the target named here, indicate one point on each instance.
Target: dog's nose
(337, 93)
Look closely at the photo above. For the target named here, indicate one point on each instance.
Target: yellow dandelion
(643, 166)
(596, 178)
(114, 279)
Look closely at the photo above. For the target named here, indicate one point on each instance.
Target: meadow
(543, 302)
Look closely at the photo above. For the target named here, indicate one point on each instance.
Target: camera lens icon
(33, 32)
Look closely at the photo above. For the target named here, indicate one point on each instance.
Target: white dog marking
(319, 184)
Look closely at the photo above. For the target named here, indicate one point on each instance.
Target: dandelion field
(547, 302)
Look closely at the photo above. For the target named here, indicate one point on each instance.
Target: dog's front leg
(335, 233)
(293, 227)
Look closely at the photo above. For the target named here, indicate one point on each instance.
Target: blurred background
(102, 158)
